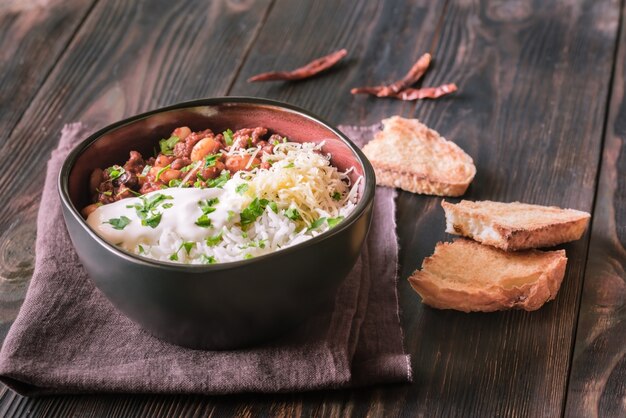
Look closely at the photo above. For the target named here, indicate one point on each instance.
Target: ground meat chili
(185, 159)
(306, 71)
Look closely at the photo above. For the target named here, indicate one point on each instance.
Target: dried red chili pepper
(426, 92)
(308, 70)
(415, 73)
(401, 88)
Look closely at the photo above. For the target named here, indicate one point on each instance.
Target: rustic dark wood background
(540, 107)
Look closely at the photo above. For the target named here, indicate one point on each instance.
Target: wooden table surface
(540, 108)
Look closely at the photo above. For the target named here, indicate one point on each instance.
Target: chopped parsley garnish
(147, 209)
(253, 211)
(118, 223)
(273, 206)
(228, 137)
(187, 246)
(336, 196)
(207, 207)
(141, 250)
(115, 172)
(316, 224)
(248, 256)
(290, 165)
(204, 221)
(214, 240)
(293, 214)
(219, 181)
(174, 183)
(332, 222)
(211, 159)
(242, 188)
(231, 215)
(167, 145)
(161, 171)
(208, 259)
(186, 168)
(146, 170)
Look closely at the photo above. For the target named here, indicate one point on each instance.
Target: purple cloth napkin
(68, 338)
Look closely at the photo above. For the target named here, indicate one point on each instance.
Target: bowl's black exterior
(220, 306)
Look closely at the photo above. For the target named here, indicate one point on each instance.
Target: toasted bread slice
(408, 155)
(467, 276)
(514, 226)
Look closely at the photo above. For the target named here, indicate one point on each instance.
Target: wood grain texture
(597, 385)
(33, 35)
(126, 58)
(383, 39)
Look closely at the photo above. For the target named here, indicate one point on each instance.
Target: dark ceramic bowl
(226, 305)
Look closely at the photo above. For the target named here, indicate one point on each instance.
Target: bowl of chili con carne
(223, 305)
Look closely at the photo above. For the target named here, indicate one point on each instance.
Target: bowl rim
(366, 199)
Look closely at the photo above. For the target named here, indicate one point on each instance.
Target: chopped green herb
(186, 168)
(248, 256)
(203, 221)
(167, 145)
(207, 205)
(174, 183)
(290, 165)
(147, 209)
(208, 259)
(107, 193)
(242, 188)
(316, 224)
(141, 250)
(228, 137)
(273, 206)
(152, 221)
(188, 246)
(198, 184)
(231, 215)
(253, 211)
(293, 214)
(115, 172)
(219, 181)
(211, 159)
(332, 222)
(146, 170)
(161, 171)
(261, 243)
(336, 196)
(244, 234)
(214, 240)
(118, 223)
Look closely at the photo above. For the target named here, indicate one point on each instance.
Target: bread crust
(436, 291)
(408, 155)
(533, 235)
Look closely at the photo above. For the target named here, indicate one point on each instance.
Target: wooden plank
(597, 385)
(32, 37)
(33, 34)
(127, 57)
